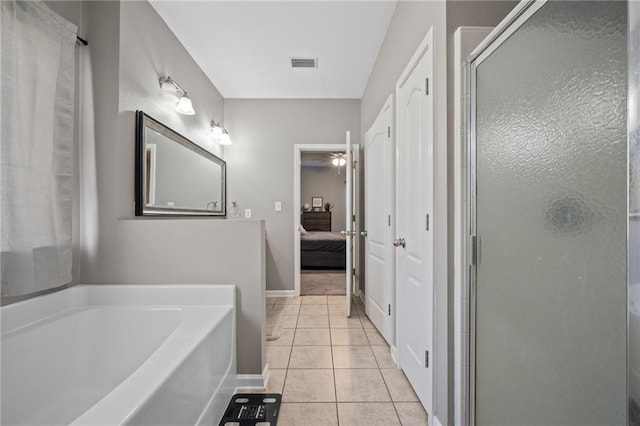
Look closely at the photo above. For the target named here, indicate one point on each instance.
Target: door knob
(400, 242)
(363, 233)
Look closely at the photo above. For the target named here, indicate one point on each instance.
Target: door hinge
(388, 131)
(473, 245)
(354, 272)
(354, 164)
(389, 220)
(426, 222)
(426, 359)
(426, 86)
(389, 309)
(353, 218)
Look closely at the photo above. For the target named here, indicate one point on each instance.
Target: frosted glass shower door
(549, 136)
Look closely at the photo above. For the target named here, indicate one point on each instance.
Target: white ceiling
(244, 46)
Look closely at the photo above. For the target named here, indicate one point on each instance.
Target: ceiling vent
(304, 62)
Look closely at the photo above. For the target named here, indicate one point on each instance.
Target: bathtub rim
(113, 407)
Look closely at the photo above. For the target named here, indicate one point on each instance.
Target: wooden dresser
(316, 221)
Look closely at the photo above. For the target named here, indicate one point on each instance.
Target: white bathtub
(119, 354)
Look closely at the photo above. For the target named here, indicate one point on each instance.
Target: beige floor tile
(353, 357)
(314, 300)
(278, 356)
(314, 310)
(337, 310)
(274, 321)
(310, 357)
(309, 386)
(313, 321)
(383, 356)
(296, 300)
(289, 321)
(312, 337)
(337, 300)
(398, 385)
(288, 309)
(276, 380)
(348, 336)
(374, 337)
(353, 385)
(342, 321)
(367, 414)
(366, 322)
(285, 339)
(308, 414)
(411, 414)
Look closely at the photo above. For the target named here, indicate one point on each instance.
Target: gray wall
(130, 48)
(325, 182)
(260, 162)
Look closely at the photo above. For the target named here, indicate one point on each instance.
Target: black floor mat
(252, 409)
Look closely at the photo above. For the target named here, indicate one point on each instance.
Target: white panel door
(380, 222)
(414, 210)
(349, 223)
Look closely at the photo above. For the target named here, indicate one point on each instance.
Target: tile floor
(334, 370)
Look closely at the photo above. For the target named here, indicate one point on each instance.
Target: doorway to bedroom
(323, 202)
(320, 203)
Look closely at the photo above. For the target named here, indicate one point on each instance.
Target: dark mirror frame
(144, 121)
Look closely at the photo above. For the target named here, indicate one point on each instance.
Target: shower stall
(554, 220)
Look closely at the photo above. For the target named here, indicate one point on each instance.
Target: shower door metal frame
(512, 22)
(633, 136)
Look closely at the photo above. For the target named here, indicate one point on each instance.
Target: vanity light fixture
(184, 102)
(216, 130)
(220, 133)
(225, 139)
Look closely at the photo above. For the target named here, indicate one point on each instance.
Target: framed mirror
(174, 176)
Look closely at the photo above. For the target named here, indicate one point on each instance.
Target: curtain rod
(80, 40)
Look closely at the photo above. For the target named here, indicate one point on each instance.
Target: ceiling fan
(327, 159)
(338, 159)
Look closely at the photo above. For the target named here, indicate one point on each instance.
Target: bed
(322, 250)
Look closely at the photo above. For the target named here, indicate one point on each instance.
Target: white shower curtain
(37, 66)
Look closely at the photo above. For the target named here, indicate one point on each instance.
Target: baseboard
(394, 356)
(281, 293)
(252, 381)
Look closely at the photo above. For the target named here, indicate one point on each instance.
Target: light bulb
(225, 139)
(342, 162)
(185, 106)
(335, 162)
(216, 130)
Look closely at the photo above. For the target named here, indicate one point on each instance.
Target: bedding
(323, 250)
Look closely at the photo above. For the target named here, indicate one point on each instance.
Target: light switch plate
(247, 213)
(278, 206)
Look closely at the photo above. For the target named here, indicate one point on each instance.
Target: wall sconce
(184, 102)
(216, 130)
(220, 134)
